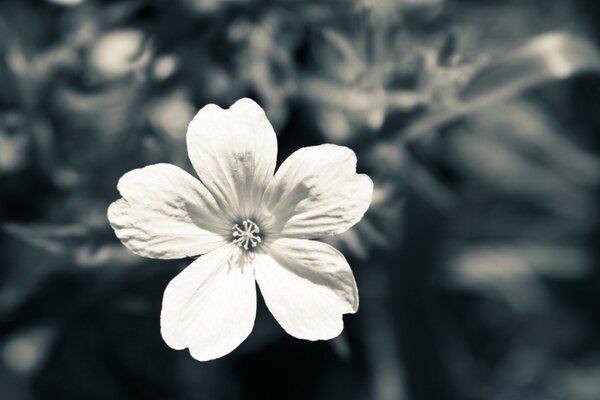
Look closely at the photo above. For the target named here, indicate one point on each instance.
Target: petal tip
(247, 102)
(319, 336)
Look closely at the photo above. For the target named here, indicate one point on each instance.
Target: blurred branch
(355, 99)
(87, 244)
(546, 58)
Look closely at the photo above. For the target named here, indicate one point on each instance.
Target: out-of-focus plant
(518, 200)
(480, 237)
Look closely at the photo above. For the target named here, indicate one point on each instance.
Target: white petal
(316, 192)
(307, 286)
(210, 306)
(234, 152)
(166, 213)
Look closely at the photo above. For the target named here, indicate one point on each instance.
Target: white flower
(250, 224)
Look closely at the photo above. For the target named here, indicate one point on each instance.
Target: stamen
(247, 236)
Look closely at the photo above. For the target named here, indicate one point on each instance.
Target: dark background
(477, 263)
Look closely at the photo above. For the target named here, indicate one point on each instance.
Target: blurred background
(477, 262)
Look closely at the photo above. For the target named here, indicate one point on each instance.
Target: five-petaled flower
(249, 224)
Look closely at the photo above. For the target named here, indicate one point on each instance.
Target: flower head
(249, 224)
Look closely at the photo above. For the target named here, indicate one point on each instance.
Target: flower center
(247, 235)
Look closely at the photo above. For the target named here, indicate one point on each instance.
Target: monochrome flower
(249, 224)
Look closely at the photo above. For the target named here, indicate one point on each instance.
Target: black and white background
(477, 262)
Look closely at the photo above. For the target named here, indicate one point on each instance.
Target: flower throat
(247, 236)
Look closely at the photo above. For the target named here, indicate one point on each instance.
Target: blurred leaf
(534, 133)
(515, 151)
(14, 142)
(67, 3)
(547, 58)
(118, 53)
(505, 269)
(264, 60)
(169, 115)
(210, 7)
(25, 352)
(88, 245)
(378, 229)
(425, 10)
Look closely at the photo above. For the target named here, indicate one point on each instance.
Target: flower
(251, 224)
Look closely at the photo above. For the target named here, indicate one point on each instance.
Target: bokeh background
(477, 263)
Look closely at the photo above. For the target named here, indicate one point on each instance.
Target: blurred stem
(421, 178)
(321, 91)
(414, 306)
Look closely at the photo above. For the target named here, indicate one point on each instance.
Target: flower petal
(210, 306)
(166, 213)
(307, 286)
(316, 192)
(234, 152)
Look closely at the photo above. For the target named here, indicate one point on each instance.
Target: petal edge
(234, 152)
(307, 286)
(317, 192)
(210, 306)
(165, 213)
